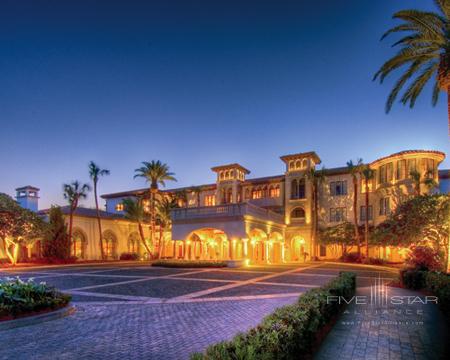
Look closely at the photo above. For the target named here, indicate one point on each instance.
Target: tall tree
(355, 171)
(315, 179)
(95, 172)
(164, 208)
(425, 49)
(56, 244)
(156, 173)
(134, 211)
(73, 193)
(367, 174)
(18, 227)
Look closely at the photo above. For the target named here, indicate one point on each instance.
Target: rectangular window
(429, 169)
(411, 166)
(274, 192)
(382, 174)
(385, 208)
(338, 188)
(119, 207)
(210, 200)
(338, 214)
(401, 170)
(363, 185)
(257, 194)
(362, 213)
(389, 172)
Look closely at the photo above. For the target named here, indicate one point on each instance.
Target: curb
(387, 268)
(37, 319)
(51, 266)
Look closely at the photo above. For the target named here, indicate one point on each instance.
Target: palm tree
(315, 178)
(164, 208)
(134, 211)
(367, 174)
(156, 173)
(355, 170)
(417, 179)
(94, 173)
(73, 192)
(425, 48)
(197, 190)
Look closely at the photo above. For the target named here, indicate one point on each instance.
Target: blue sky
(196, 84)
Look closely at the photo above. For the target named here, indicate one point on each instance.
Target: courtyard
(139, 311)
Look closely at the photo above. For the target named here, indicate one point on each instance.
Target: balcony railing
(240, 209)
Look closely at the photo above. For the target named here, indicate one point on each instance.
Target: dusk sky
(197, 84)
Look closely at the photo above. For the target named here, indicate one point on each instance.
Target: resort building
(259, 220)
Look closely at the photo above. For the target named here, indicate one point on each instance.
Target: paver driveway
(140, 312)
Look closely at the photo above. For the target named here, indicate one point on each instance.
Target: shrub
(439, 284)
(413, 278)
(19, 297)
(129, 256)
(290, 330)
(352, 257)
(189, 264)
(424, 258)
(56, 244)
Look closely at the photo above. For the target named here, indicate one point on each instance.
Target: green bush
(19, 297)
(439, 284)
(189, 264)
(129, 256)
(290, 331)
(413, 278)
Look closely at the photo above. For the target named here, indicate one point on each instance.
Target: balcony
(226, 210)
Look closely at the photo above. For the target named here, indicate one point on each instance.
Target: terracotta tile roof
(80, 211)
(407, 152)
(230, 166)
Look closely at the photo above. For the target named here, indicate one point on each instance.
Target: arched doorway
(276, 250)
(298, 252)
(258, 251)
(79, 244)
(207, 244)
(134, 244)
(110, 244)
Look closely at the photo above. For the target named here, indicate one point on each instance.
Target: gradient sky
(196, 84)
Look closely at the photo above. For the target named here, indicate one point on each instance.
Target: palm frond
(414, 90)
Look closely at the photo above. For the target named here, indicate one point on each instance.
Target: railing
(240, 209)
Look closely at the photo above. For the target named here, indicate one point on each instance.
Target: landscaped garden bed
(292, 331)
(190, 263)
(24, 298)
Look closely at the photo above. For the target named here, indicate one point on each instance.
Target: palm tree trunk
(141, 234)
(313, 223)
(100, 233)
(70, 232)
(355, 214)
(366, 225)
(153, 214)
(161, 233)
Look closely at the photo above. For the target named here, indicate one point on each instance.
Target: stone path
(381, 330)
(140, 312)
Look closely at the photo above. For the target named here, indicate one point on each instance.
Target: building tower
(28, 197)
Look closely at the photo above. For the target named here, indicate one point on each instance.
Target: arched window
(291, 165)
(274, 191)
(134, 243)
(304, 163)
(247, 193)
(110, 244)
(298, 164)
(78, 245)
(298, 214)
(294, 189)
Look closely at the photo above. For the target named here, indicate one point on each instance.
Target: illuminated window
(428, 166)
(411, 166)
(338, 214)
(298, 214)
(119, 207)
(274, 192)
(210, 200)
(363, 185)
(257, 193)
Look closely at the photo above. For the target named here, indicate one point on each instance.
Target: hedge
(189, 264)
(19, 297)
(291, 331)
(435, 282)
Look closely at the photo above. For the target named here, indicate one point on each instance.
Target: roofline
(28, 187)
(410, 152)
(230, 166)
(312, 154)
